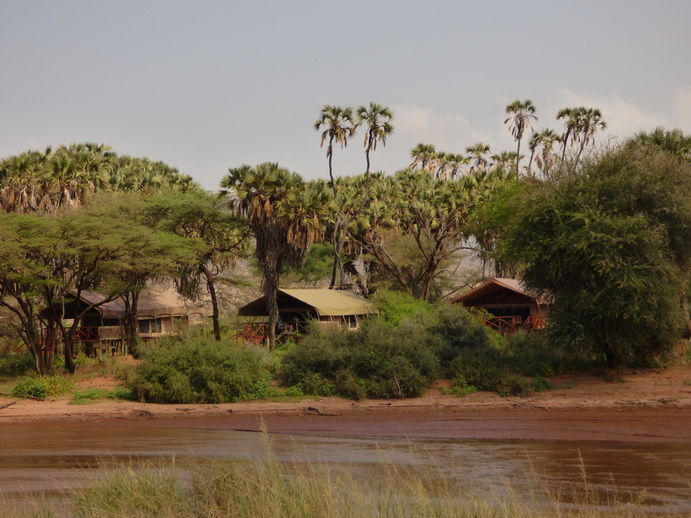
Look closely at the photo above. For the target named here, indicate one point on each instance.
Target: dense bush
(195, 370)
(42, 386)
(456, 330)
(13, 364)
(395, 306)
(382, 360)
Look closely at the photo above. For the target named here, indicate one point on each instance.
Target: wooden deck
(511, 324)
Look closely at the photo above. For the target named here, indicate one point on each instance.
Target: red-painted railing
(510, 324)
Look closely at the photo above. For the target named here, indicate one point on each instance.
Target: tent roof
(151, 304)
(493, 285)
(325, 302)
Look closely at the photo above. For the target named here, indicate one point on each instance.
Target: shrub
(42, 386)
(14, 364)
(196, 370)
(459, 387)
(95, 394)
(541, 384)
(395, 306)
(455, 330)
(381, 360)
(481, 367)
(513, 385)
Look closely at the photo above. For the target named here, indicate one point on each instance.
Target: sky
(210, 85)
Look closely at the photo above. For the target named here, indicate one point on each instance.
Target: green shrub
(481, 367)
(541, 384)
(513, 385)
(455, 330)
(459, 387)
(382, 360)
(42, 386)
(395, 306)
(14, 364)
(532, 354)
(197, 370)
(94, 394)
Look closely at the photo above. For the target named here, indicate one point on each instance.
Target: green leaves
(611, 243)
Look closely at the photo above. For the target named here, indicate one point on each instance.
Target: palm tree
(284, 217)
(580, 126)
(339, 125)
(424, 157)
(570, 116)
(454, 163)
(674, 141)
(545, 140)
(378, 120)
(589, 121)
(521, 114)
(504, 160)
(478, 153)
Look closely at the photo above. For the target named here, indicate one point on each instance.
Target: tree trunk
(685, 313)
(211, 288)
(131, 328)
(338, 240)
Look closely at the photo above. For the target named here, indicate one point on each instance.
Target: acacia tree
(284, 216)
(521, 113)
(610, 242)
(47, 262)
(430, 214)
(221, 238)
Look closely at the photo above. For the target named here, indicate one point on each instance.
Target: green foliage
(195, 370)
(317, 265)
(42, 386)
(531, 354)
(481, 367)
(454, 330)
(94, 394)
(611, 242)
(395, 306)
(382, 360)
(513, 385)
(13, 364)
(541, 384)
(459, 387)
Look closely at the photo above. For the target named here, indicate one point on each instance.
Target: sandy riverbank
(645, 406)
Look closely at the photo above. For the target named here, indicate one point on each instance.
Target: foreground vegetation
(269, 488)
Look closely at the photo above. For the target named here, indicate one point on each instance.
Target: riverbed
(49, 462)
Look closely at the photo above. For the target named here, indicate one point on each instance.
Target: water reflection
(59, 458)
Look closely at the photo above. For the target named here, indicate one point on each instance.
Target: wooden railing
(503, 325)
(255, 333)
(94, 333)
(510, 324)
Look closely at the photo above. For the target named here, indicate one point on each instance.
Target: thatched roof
(323, 302)
(151, 304)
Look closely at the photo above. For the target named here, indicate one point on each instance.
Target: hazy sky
(208, 85)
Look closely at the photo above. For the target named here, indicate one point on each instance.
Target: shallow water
(51, 460)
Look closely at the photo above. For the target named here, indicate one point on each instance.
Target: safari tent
(298, 306)
(508, 305)
(102, 329)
